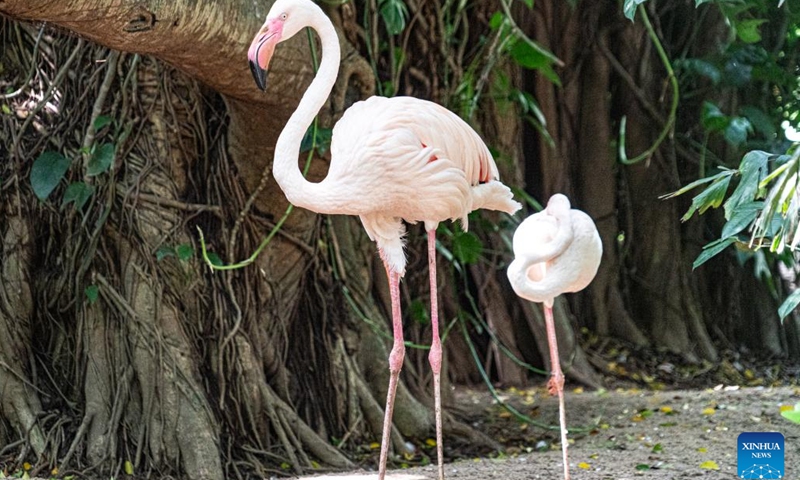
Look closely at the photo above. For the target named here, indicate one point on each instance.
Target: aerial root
(295, 435)
(279, 430)
(373, 412)
(23, 402)
(87, 420)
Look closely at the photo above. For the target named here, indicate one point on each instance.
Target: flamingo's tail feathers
(494, 195)
(389, 233)
(392, 253)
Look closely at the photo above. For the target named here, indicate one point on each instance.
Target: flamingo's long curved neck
(298, 190)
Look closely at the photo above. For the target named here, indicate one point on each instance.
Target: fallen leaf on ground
(657, 448)
(584, 465)
(709, 465)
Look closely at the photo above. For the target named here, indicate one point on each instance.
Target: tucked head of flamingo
(284, 20)
(557, 250)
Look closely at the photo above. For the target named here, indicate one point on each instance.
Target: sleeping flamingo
(392, 159)
(556, 251)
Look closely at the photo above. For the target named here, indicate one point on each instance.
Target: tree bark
(663, 300)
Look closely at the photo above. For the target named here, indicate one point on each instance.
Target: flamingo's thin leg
(395, 364)
(556, 383)
(435, 355)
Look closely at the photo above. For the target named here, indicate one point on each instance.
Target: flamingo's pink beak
(261, 50)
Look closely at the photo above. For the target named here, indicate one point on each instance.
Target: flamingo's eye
(283, 16)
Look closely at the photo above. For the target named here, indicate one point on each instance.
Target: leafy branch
(764, 203)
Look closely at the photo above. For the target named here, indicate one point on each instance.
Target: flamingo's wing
(408, 158)
(430, 124)
(405, 158)
(387, 171)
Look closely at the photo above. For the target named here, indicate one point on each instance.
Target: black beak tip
(259, 75)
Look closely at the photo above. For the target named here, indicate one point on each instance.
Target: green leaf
(629, 8)
(712, 118)
(78, 193)
(394, 14)
(532, 113)
(748, 30)
(214, 259)
(697, 183)
(163, 252)
(711, 197)
(101, 160)
(657, 448)
(753, 168)
(91, 293)
(530, 55)
(184, 252)
(743, 215)
(101, 122)
(700, 67)
(526, 56)
(736, 131)
(324, 136)
(737, 73)
(778, 172)
(760, 121)
(529, 3)
(709, 465)
(467, 247)
(792, 415)
(498, 18)
(47, 171)
(712, 249)
(537, 47)
(642, 467)
(789, 304)
(529, 105)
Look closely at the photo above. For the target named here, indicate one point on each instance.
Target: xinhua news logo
(760, 455)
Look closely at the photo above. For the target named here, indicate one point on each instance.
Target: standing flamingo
(392, 159)
(556, 251)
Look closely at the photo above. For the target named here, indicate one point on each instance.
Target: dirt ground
(621, 434)
(618, 435)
